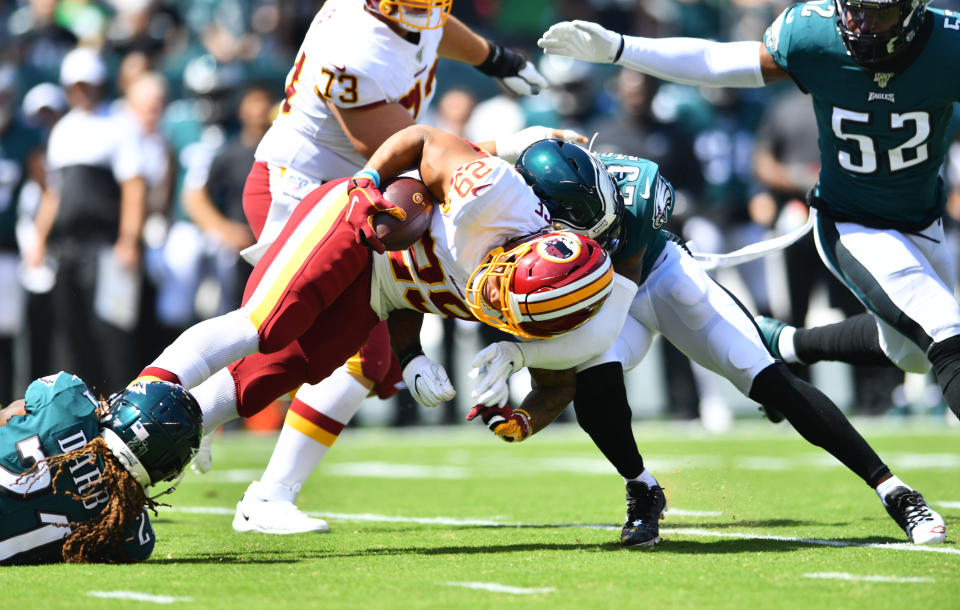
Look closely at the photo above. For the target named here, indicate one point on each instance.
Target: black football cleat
(911, 512)
(645, 506)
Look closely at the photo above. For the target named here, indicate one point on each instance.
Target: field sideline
(452, 517)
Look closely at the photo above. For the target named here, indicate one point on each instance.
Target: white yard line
(375, 518)
(945, 504)
(867, 578)
(139, 597)
(496, 587)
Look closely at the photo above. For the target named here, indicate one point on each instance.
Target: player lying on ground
(874, 70)
(73, 469)
(317, 293)
(679, 300)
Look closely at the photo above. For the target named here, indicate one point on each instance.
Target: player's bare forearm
(552, 392)
(460, 43)
(437, 153)
(404, 326)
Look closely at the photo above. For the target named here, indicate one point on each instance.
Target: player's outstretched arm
(511, 68)
(692, 61)
(552, 392)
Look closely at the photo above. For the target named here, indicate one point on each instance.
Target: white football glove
(509, 147)
(527, 81)
(428, 381)
(203, 461)
(582, 40)
(492, 367)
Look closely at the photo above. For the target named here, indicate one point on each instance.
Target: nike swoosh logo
(338, 68)
(646, 194)
(419, 72)
(477, 188)
(416, 379)
(245, 517)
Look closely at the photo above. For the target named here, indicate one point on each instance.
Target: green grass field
(454, 518)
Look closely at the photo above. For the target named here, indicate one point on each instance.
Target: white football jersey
(350, 59)
(488, 204)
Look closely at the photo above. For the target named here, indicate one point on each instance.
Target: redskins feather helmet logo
(559, 248)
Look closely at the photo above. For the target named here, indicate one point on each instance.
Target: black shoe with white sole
(645, 506)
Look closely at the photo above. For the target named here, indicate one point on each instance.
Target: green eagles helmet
(577, 190)
(154, 429)
(878, 31)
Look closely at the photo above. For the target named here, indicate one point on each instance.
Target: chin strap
(170, 489)
(126, 456)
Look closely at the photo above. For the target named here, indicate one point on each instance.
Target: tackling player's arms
(552, 392)
(368, 127)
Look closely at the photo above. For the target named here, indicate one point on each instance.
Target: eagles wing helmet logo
(662, 203)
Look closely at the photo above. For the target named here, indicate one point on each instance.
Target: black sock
(817, 420)
(945, 358)
(856, 340)
(604, 413)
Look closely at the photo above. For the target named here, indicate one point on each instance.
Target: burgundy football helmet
(545, 286)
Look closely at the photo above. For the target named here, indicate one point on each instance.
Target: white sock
(644, 477)
(298, 450)
(889, 485)
(785, 343)
(217, 397)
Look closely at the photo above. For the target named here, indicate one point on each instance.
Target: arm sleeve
(589, 340)
(694, 61)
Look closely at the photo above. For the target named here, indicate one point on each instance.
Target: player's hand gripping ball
(414, 198)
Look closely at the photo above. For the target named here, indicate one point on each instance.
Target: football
(417, 201)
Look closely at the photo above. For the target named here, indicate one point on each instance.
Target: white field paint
(866, 578)
(587, 466)
(139, 597)
(496, 587)
(705, 533)
(945, 504)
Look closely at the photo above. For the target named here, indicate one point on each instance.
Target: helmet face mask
(576, 189)
(876, 32)
(413, 15)
(154, 429)
(545, 286)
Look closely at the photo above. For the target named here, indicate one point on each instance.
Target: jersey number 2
(911, 152)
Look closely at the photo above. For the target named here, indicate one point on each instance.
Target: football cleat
(911, 512)
(645, 506)
(274, 517)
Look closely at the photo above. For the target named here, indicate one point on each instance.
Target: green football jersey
(882, 135)
(61, 416)
(648, 200)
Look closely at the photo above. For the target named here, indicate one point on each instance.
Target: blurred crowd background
(184, 89)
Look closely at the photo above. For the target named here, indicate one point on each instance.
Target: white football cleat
(921, 523)
(203, 461)
(256, 513)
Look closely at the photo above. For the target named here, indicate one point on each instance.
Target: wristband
(370, 173)
(409, 353)
(619, 49)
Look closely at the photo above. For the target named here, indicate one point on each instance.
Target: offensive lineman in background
(875, 70)
(364, 71)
